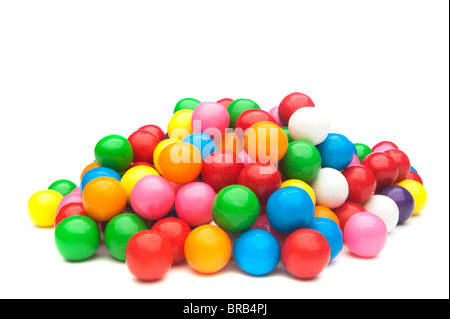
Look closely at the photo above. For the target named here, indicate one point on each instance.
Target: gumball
(96, 173)
(309, 124)
(71, 209)
(265, 142)
(325, 212)
(203, 143)
(152, 197)
(262, 222)
(88, 168)
(63, 186)
(244, 158)
(331, 188)
(140, 164)
(159, 149)
(290, 208)
(256, 252)
(274, 112)
(134, 175)
(347, 210)
(149, 255)
(362, 150)
(414, 170)
(237, 107)
(404, 200)
(143, 144)
(177, 231)
(384, 168)
(114, 152)
(361, 183)
(336, 151)
(76, 190)
(155, 129)
(252, 116)
(118, 232)
(305, 253)
(232, 142)
(210, 118)
(418, 192)
(225, 102)
(42, 207)
(180, 163)
(221, 169)
(331, 231)
(292, 103)
(207, 249)
(186, 104)
(262, 179)
(193, 203)
(383, 144)
(365, 234)
(71, 198)
(77, 238)
(415, 177)
(385, 208)
(402, 161)
(235, 208)
(288, 135)
(355, 161)
(180, 125)
(302, 161)
(104, 198)
(302, 185)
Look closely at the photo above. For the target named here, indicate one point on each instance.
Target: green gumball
(114, 152)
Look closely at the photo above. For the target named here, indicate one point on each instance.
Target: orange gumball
(88, 168)
(180, 163)
(231, 142)
(325, 212)
(104, 198)
(265, 142)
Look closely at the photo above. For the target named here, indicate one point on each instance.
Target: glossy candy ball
(193, 203)
(384, 145)
(292, 103)
(309, 124)
(325, 212)
(77, 238)
(177, 231)
(161, 145)
(239, 106)
(134, 175)
(256, 252)
(347, 210)
(385, 208)
(302, 161)
(235, 208)
(403, 164)
(336, 151)
(300, 184)
(415, 177)
(207, 249)
(383, 167)
(290, 208)
(71, 198)
(155, 129)
(143, 144)
(361, 183)
(362, 150)
(180, 125)
(305, 253)
(331, 231)
(418, 192)
(186, 104)
(251, 117)
(149, 255)
(42, 207)
(262, 179)
(118, 232)
(88, 168)
(71, 209)
(225, 102)
(210, 118)
(404, 200)
(203, 143)
(331, 188)
(221, 169)
(63, 186)
(98, 172)
(365, 234)
(115, 152)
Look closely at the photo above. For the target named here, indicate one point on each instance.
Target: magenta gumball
(274, 112)
(152, 197)
(209, 117)
(193, 203)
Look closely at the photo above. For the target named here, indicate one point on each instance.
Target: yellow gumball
(418, 193)
(302, 185)
(180, 125)
(158, 150)
(134, 175)
(42, 207)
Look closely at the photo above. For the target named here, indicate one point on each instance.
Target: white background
(72, 72)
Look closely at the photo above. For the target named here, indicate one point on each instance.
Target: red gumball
(347, 210)
(71, 209)
(361, 183)
(149, 255)
(384, 144)
(415, 177)
(383, 167)
(225, 102)
(402, 161)
(143, 143)
(155, 129)
(177, 231)
(292, 103)
(305, 253)
(253, 116)
(221, 169)
(262, 179)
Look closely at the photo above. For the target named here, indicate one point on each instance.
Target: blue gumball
(331, 231)
(203, 142)
(256, 252)
(414, 170)
(289, 208)
(336, 151)
(98, 172)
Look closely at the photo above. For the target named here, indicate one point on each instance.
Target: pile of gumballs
(230, 180)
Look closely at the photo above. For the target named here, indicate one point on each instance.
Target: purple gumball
(403, 199)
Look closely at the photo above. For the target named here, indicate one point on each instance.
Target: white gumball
(385, 208)
(309, 124)
(330, 188)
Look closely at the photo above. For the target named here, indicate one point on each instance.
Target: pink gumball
(210, 116)
(152, 197)
(263, 223)
(355, 161)
(76, 190)
(193, 203)
(243, 157)
(365, 234)
(274, 112)
(70, 198)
